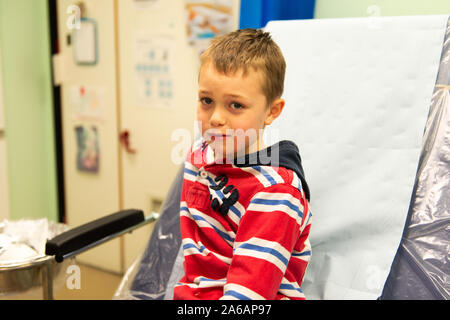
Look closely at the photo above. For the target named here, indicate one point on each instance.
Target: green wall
(359, 8)
(28, 104)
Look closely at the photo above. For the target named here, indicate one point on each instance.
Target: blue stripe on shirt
(265, 174)
(224, 235)
(302, 254)
(272, 202)
(191, 245)
(271, 251)
(188, 171)
(288, 286)
(236, 294)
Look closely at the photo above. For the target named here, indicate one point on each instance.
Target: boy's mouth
(220, 136)
(210, 137)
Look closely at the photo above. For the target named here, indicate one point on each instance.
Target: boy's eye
(237, 106)
(206, 100)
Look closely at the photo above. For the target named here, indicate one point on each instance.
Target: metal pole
(47, 280)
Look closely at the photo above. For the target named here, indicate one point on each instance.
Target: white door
(148, 173)
(89, 108)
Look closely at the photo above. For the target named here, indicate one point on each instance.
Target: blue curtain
(256, 13)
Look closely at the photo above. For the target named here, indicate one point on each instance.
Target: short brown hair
(246, 48)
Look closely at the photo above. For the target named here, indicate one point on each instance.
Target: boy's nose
(217, 119)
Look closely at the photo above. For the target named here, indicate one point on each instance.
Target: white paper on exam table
(357, 114)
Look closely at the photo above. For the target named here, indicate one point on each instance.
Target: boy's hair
(242, 49)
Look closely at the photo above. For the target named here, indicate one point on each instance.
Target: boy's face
(233, 111)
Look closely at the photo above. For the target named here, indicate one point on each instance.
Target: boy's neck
(258, 145)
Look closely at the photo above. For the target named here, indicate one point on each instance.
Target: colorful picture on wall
(207, 19)
(88, 154)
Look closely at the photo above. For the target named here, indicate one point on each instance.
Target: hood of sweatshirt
(282, 154)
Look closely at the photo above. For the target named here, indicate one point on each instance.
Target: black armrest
(88, 234)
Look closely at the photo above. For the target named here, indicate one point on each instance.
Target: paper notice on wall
(88, 103)
(154, 70)
(206, 20)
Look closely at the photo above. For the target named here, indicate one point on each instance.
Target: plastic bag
(421, 268)
(148, 277)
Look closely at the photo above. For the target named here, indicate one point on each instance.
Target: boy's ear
(274, 111)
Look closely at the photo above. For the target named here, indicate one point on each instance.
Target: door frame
(57, 116)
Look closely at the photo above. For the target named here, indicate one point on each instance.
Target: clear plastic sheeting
(24, 240)
(22, 257)
(421, 268)
(149, 275)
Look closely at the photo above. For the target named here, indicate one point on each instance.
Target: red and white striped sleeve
(268, 233)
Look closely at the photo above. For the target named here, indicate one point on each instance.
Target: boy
(244, 220)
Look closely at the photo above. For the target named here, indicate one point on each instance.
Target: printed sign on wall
(154, 70)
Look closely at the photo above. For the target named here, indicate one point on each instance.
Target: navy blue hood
(288, 157)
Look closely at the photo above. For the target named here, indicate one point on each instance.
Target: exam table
(367, 102)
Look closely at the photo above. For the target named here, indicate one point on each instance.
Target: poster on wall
(88, 103)
(207, 19)
(88, 150)
(154, 70)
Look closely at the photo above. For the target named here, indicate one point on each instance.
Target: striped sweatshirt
(244, 225)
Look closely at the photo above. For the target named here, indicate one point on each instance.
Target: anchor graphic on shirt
(227, 201)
